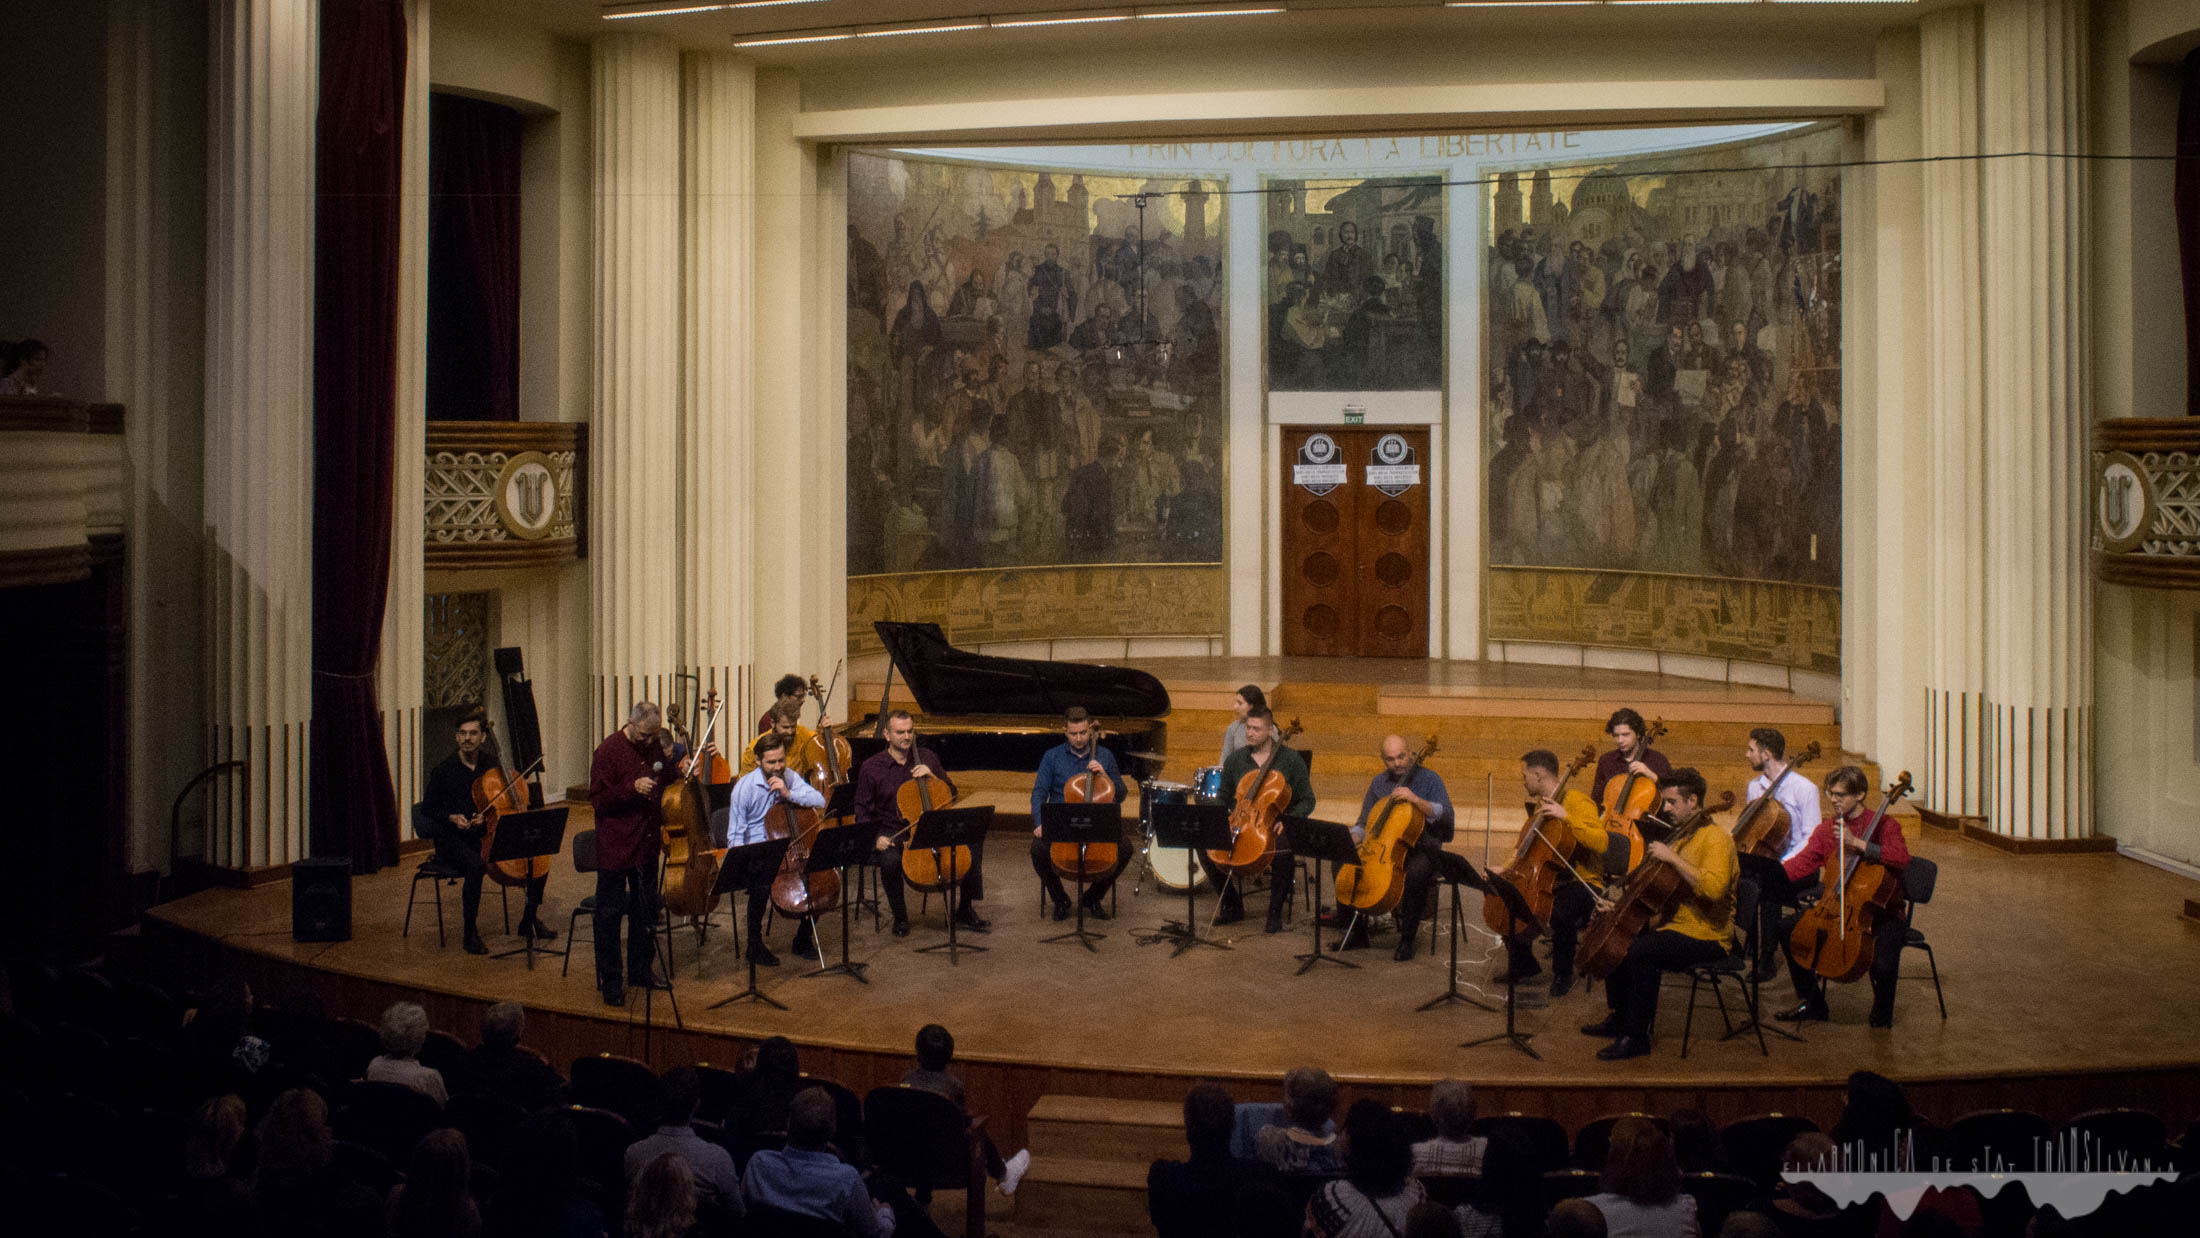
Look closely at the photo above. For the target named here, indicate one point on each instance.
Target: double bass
(1073, 862)
(1645, 898)
(1837, 936)
(499, 790)
(1540, 863)
(1374, 885)
(691, 863)
(1261, 796)
(1766, 823)
(928, 868)
(1627, 799)
(796, 891)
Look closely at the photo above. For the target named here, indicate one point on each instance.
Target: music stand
(1318, 841)
(528, 836)
(1194, 828)
(747, 870)
(1517, 908)
(943, 829)
(1773, 890)
(1455, 870)
(840, 805)
(1081, 825)
(842, 847)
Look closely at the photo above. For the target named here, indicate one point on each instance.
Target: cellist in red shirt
(1851, 824)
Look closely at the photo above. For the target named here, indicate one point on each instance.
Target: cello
(1765, 823)
(1836, 937)
(1374, 885)
(1261, 797)
(498, 790)
(927, 868)
(1644, 898)
(796, 891)
(1075, 863)
(1636, 795)
(1539, 862)
(691, 864)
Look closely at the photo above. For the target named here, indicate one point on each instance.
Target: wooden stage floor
(2071, 981)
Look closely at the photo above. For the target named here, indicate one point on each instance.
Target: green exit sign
(1355, 414)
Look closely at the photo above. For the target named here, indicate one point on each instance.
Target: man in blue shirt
(806, 1179)
(1408, 783)
(757, 796)
(1080, 753)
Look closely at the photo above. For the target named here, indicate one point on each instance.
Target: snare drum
(1173, 868)
(1207, 784)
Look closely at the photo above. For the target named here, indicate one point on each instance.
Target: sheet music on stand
(536, 834)
(1320, 841)
(1195, 828)
(942, 830)
(741, 870)
(1082, 826)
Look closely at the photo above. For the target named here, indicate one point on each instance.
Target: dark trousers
(1420, 885)
(1632, 989)
(1771, 938)
(1096, 887)
(1572, 905)
(1282, 873)
(1885, 968)
(760, 903)
(630, 894)
(891, 884)
(461, 850)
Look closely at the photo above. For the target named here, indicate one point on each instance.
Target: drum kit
(1174, 868)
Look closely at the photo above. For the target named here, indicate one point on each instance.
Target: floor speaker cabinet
(320, 899)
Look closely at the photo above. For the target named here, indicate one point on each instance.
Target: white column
(1245, 524)
(634, 445)
(262, 99)
(2038, 666)
(1953, 699)
(399, 674)
(717, 125)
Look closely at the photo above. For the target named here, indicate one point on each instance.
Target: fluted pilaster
(262, 99)
(400, 673)
(718, 236)
(634, 504)
(1955, 554)
(2038, 625)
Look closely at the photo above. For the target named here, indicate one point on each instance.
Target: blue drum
(1207, 784)
(1161, 793)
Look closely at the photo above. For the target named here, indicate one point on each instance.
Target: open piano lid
(946, 680)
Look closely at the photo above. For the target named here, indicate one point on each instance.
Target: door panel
(1355, 558)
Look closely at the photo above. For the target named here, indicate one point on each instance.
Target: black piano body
(980, 712)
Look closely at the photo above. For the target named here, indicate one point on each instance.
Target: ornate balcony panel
(505, 493)
(2146, 502)
(60, 487)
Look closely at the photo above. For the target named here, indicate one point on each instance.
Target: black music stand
(840, 805)
(1516, 907)
(528, 836)
(842, 847)
(745, 870)
(1773, 890)
(943, 829)
(1194, 828)
(1457, 871)
(1081, 825)
(1318, 841)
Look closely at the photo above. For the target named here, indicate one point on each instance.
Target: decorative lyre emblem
(531, 483)
(2116, 499)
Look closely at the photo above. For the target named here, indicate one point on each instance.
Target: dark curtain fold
(2188, 221)
(358, 168)
(473, 260)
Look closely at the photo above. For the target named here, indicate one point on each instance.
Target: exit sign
(1355, 414)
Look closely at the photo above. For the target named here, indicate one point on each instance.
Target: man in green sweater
(1263, 750)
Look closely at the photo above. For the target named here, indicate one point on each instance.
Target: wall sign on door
(1320, 467)
(1392, 467)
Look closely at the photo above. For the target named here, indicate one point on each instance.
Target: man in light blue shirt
(806, 1179)
(1079, 753)
(757, 796)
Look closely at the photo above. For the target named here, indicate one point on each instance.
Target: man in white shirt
(1798, 794)
(756, 796)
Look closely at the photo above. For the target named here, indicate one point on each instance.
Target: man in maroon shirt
(1851, 824)
(878, 781)
(626, 778)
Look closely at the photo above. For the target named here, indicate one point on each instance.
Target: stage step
(1094, 1127)
(1088, 1196)
(1089, 1157)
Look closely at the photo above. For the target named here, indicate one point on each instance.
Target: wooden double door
(1355, 542)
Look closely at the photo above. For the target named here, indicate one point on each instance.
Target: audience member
(404, 1030)
(1510, 1200)
(539, 1195)
(217, 1034)
(435, 1199)
(216, 1200)
(499, 1067)
(22, 368)
(295, 1187)
(763, 1091)
(1305, 1145)
(1749, 1225)
(1430, 1219)
(1377, 1191)
(661, 1203)
(1203, 1195)
(935, 1049)
(1575, 1218)
(713, 1178)
(1641, 1195)
(1876, 1118)
(806, 1179)
(1802, 1210)
(1455, 1150)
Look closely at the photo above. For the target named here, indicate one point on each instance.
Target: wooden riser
(1095, 1128)
(1095, 1196)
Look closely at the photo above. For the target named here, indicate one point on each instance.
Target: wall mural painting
(1355, 285)
(1664, 386)
(1034, 368)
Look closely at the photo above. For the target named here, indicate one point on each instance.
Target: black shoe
(614, 997)
(1061, 911)
(1353, 941)
(970, 919)
(1096, 910)
(1623, 1048)
(1806, 1012)
(474, 944)
(1505, 975)
(1275, 923)
(762, 956)
(1607, 1027)
(542, 932)
(1561, 985)
(807, 949)
(901, 926)
(1406, 946)
(1229, 913)
(1882, 1018)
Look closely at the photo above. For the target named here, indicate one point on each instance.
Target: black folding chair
(1918, 880)
(1543, 1139)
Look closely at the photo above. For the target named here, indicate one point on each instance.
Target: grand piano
(985, 713)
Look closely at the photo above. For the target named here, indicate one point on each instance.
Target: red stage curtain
(358, 156)
(473, 260)
(2188, 222)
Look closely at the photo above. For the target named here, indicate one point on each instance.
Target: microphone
(658, 767)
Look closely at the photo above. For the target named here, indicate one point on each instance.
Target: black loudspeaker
(320, 899)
